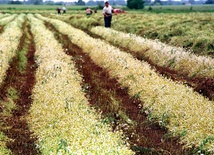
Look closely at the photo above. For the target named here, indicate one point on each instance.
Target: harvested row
(175, 106)
(3, 16)
(7, 19)
(4, 19)
(6, 54)
(9, 41)
(16, 90)
(159, 53)
(60, 114)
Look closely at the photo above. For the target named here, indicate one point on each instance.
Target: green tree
(135, 4)
(38, 2)
(80, 2)
(15, 2)
(192, 1)
(157, 2)
(209, 2)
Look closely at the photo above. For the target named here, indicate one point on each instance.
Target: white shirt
(107, 10)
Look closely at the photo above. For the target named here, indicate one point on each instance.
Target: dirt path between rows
(106, 95)
(15, 126)
(1, 29)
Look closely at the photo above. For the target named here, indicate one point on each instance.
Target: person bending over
(88, 11)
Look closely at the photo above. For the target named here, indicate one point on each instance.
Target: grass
(3, 149)
(8, 106)
(72, 9)
(22, 60)
(180, 8)
(24, 42)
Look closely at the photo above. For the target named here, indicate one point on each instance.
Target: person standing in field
(107, 12)
(64, 9)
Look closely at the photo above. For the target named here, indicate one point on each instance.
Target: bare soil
(1, 29)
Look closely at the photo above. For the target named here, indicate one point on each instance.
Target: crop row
(3, 15)
(175, 106)
(160, 53)
(9, 41)
(6, 19)
(60, 114)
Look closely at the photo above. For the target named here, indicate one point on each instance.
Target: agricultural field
(192, 31)
(69, 86)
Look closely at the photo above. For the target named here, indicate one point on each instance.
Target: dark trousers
(107, 20)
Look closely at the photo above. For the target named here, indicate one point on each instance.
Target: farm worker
(64, 9)
(88, 11)
(58, 10)
(107, 12)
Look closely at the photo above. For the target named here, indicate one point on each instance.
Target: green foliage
(58, 3)
(100, 5)
(157, 2)
(15, 2)
(8, 105)
(207, 140)
(80, 2)
(3, 149)
(38, 2)
(22, 60)
(62, 146)
(135, 4)
(150, 8)
(180, 8)
(12, 92)
(209, 2)
(144, 150)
